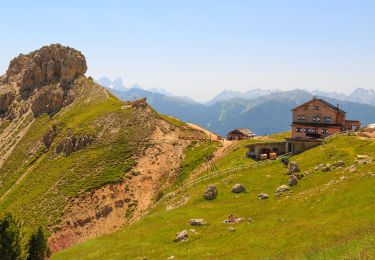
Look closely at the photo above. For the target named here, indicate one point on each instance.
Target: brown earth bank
(112, 206)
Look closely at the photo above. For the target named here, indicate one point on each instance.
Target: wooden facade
(240, 133)
(318, 119)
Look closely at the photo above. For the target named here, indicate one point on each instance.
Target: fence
(230, 170)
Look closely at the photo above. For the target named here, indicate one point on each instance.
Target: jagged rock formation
(40, 80)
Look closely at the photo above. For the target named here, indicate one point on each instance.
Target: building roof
(336, 108)
(243, 131)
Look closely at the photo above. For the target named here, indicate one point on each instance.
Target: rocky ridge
(40, 81)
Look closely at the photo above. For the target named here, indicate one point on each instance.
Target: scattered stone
(182, 236)
(293, 167)
(292, 180)
(363, 159)
(299, 175)
(340, 163)
(351, 169)
(194, 232)
(210, 193)
(326, 168)
(319, 167)
(250, 220)
(238, 188)
(282, 188)
(263, 196)
(171, 257)
(232, 229)
(197, 222)
(343, 178)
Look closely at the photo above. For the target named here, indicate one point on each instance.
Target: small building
(240, 133)
(257, 150)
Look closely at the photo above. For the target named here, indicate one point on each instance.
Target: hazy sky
(198, 48)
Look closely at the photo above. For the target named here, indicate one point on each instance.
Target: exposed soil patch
(106, 209)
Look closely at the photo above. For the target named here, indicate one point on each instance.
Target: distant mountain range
(263, 114)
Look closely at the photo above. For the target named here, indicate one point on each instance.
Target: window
(301, 117)
(310, 130)
(324, 131)
(316, 107)
(299, 129)
(327, 119)
(316, 118)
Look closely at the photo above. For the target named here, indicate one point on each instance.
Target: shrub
(37, 246)
(10, 240)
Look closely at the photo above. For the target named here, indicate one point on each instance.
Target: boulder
(293, 167)
(232, 229)
(292, 180)
(238, 188)
(282, 188)
(263, 196)
(197, 222)
(182, 236)
(210, 193)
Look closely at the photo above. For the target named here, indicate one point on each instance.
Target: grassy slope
(40, 198)
(317, 221)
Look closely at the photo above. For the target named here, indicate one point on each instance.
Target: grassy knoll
(326, 216)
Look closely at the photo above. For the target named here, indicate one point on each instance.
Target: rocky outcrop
(40, 81)
(7, 95)
(48, 100)
(73, 143)
(50, 64)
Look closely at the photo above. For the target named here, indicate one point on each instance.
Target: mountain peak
(29, 78)
(50, 64)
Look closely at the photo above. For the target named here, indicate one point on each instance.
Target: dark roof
(323, 102)
(243, 131)
(303, 139)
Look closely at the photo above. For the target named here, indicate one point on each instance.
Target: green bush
(10, 240)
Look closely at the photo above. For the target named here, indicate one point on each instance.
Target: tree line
(11, 246)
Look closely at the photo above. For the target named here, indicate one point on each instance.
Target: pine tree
(37, 245)
(10, 240)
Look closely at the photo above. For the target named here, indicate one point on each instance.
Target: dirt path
(226, 145)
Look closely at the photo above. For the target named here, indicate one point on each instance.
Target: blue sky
(198, 48)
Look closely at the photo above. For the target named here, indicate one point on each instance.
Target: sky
(198, 48)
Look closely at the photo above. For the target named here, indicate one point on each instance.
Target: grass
(195, 154)
(172, 120)
(317, 220)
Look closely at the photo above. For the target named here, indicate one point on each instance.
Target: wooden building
(240, 133)
(315, 120)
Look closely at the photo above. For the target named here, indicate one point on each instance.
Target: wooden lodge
(240, 133)
(315, 120)
(312, 121)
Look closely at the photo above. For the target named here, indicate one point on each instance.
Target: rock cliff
(40, 81)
